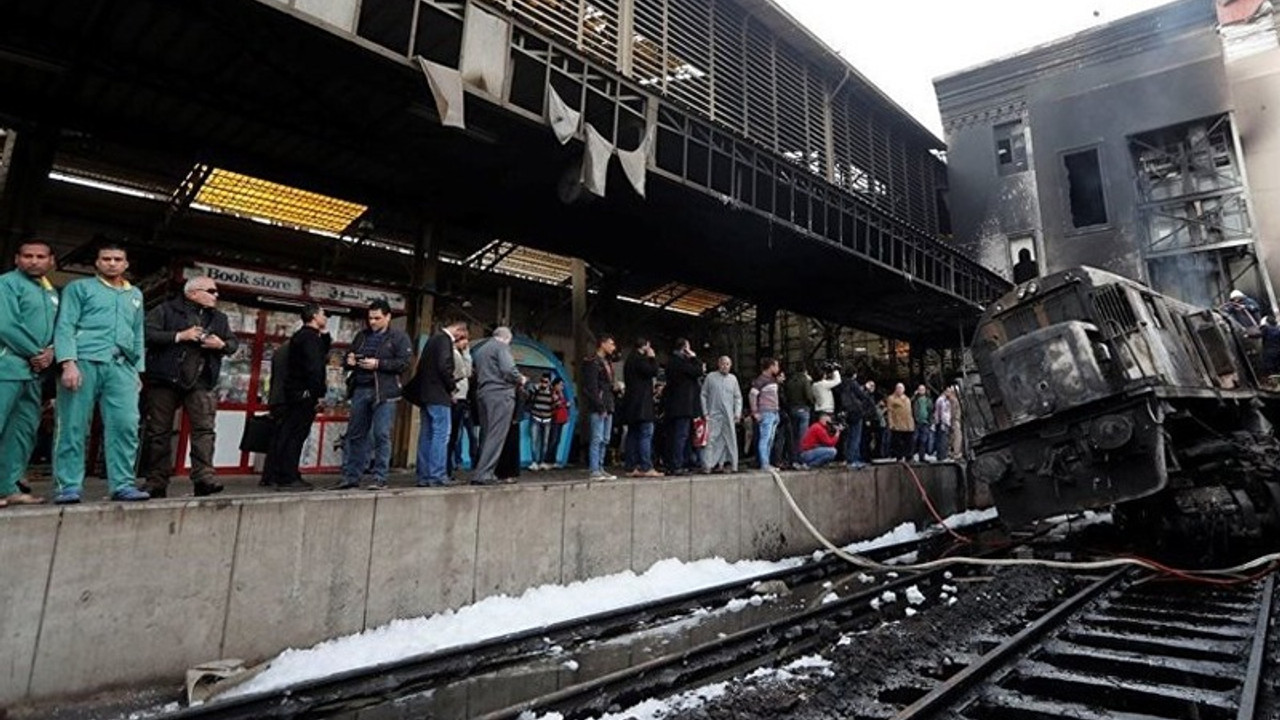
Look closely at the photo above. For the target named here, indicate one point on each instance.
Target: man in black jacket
(857, 404)
(433, 386)
(304, 387)
(597, 398)
(186, 338)
(379, 354)
(682, 403)
(638, 375)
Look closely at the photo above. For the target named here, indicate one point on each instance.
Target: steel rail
(783, 637)
(427, 670)
(780, 638)
(1257, 653)
(946, 693)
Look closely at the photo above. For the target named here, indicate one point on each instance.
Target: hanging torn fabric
(635, 163)
(595, 162)
(446, 88)
(563, 119)
(484, 50)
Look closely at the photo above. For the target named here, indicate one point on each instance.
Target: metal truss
(1194, 210)
(876, 207)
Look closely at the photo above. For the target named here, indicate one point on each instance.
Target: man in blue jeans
(857, 403)
(764, 408)
(818, 446)
(432, 390)
(378, 355)
(597, 398)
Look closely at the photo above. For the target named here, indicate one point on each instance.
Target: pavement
(95, 490)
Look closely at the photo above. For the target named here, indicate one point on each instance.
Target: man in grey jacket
(497, 379)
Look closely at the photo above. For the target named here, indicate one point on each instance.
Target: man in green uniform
(98, 342)
(28, 308)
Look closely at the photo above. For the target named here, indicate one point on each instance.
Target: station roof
(146, 90)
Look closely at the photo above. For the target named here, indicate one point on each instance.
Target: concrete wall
(1102, 107)
(99, 596)
(1092, 103)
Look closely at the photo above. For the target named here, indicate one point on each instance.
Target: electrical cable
(1214, 576)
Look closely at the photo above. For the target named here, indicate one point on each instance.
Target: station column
(29, 158)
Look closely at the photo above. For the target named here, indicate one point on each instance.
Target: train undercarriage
(1193, 477)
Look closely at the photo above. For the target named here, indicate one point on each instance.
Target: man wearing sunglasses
(187, 337)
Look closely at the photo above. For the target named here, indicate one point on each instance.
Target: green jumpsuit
(100, 326)
(28, 308)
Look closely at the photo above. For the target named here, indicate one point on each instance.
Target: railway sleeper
(1150, 644)
(1182, 629)
(1123, 694)
(1005, 704)
(1202, 674)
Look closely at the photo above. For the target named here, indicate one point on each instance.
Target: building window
(1084, 186)
(1011, 148)
(1022, 258)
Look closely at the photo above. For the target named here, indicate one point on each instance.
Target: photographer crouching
(818, 447)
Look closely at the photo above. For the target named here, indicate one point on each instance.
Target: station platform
(105, 596)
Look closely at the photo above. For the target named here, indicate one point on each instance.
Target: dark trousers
(553, 444)
(162, 403)
(462, 420)
(900, 444)
(281, 466)
(678, 448)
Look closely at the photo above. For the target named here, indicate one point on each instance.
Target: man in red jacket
(818, 446)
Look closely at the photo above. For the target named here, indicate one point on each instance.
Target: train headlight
(1032, 288)
(990, 468)
(1111, 432)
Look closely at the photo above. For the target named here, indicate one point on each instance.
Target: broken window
(1084, 187)
(1011, 148)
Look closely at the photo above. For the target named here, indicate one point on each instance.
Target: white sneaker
(535, 467)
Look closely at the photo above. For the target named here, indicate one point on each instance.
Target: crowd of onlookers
(700, 420)
(105, 352)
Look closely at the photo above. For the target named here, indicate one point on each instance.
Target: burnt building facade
(1144, 146)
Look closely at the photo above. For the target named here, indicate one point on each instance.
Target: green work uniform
(28, 308)
(100, 326)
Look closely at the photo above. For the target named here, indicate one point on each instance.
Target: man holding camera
(818, 446)
(379, 354)
(187, 337)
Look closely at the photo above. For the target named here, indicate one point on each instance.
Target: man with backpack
(857, 404)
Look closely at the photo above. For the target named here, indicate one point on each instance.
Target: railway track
(1122, 648)
(505, 676)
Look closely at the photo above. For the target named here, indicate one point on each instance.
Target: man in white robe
(722, 403)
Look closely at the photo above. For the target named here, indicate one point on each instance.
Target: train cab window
(1155, 310)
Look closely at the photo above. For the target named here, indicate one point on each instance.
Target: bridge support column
(421, 319)
(581, 329)
(766, 327)
(22, 185)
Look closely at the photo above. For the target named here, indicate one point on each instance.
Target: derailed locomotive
(1087, 390)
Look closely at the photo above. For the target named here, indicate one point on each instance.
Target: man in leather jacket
(379, 354)
(186, 337)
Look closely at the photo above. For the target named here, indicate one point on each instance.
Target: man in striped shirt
(764, 408)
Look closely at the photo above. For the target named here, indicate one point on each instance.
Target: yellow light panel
(238, 194)
(691, 301)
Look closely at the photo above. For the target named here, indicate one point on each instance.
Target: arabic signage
(356, 295)
(255, 280)
(287, 286)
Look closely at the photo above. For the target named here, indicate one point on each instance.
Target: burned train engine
(1087, 390)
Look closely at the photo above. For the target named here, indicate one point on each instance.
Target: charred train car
(1088, 390)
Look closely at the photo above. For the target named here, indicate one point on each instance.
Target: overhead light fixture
(237, 194)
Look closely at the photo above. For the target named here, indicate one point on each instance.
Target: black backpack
(279, 375)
